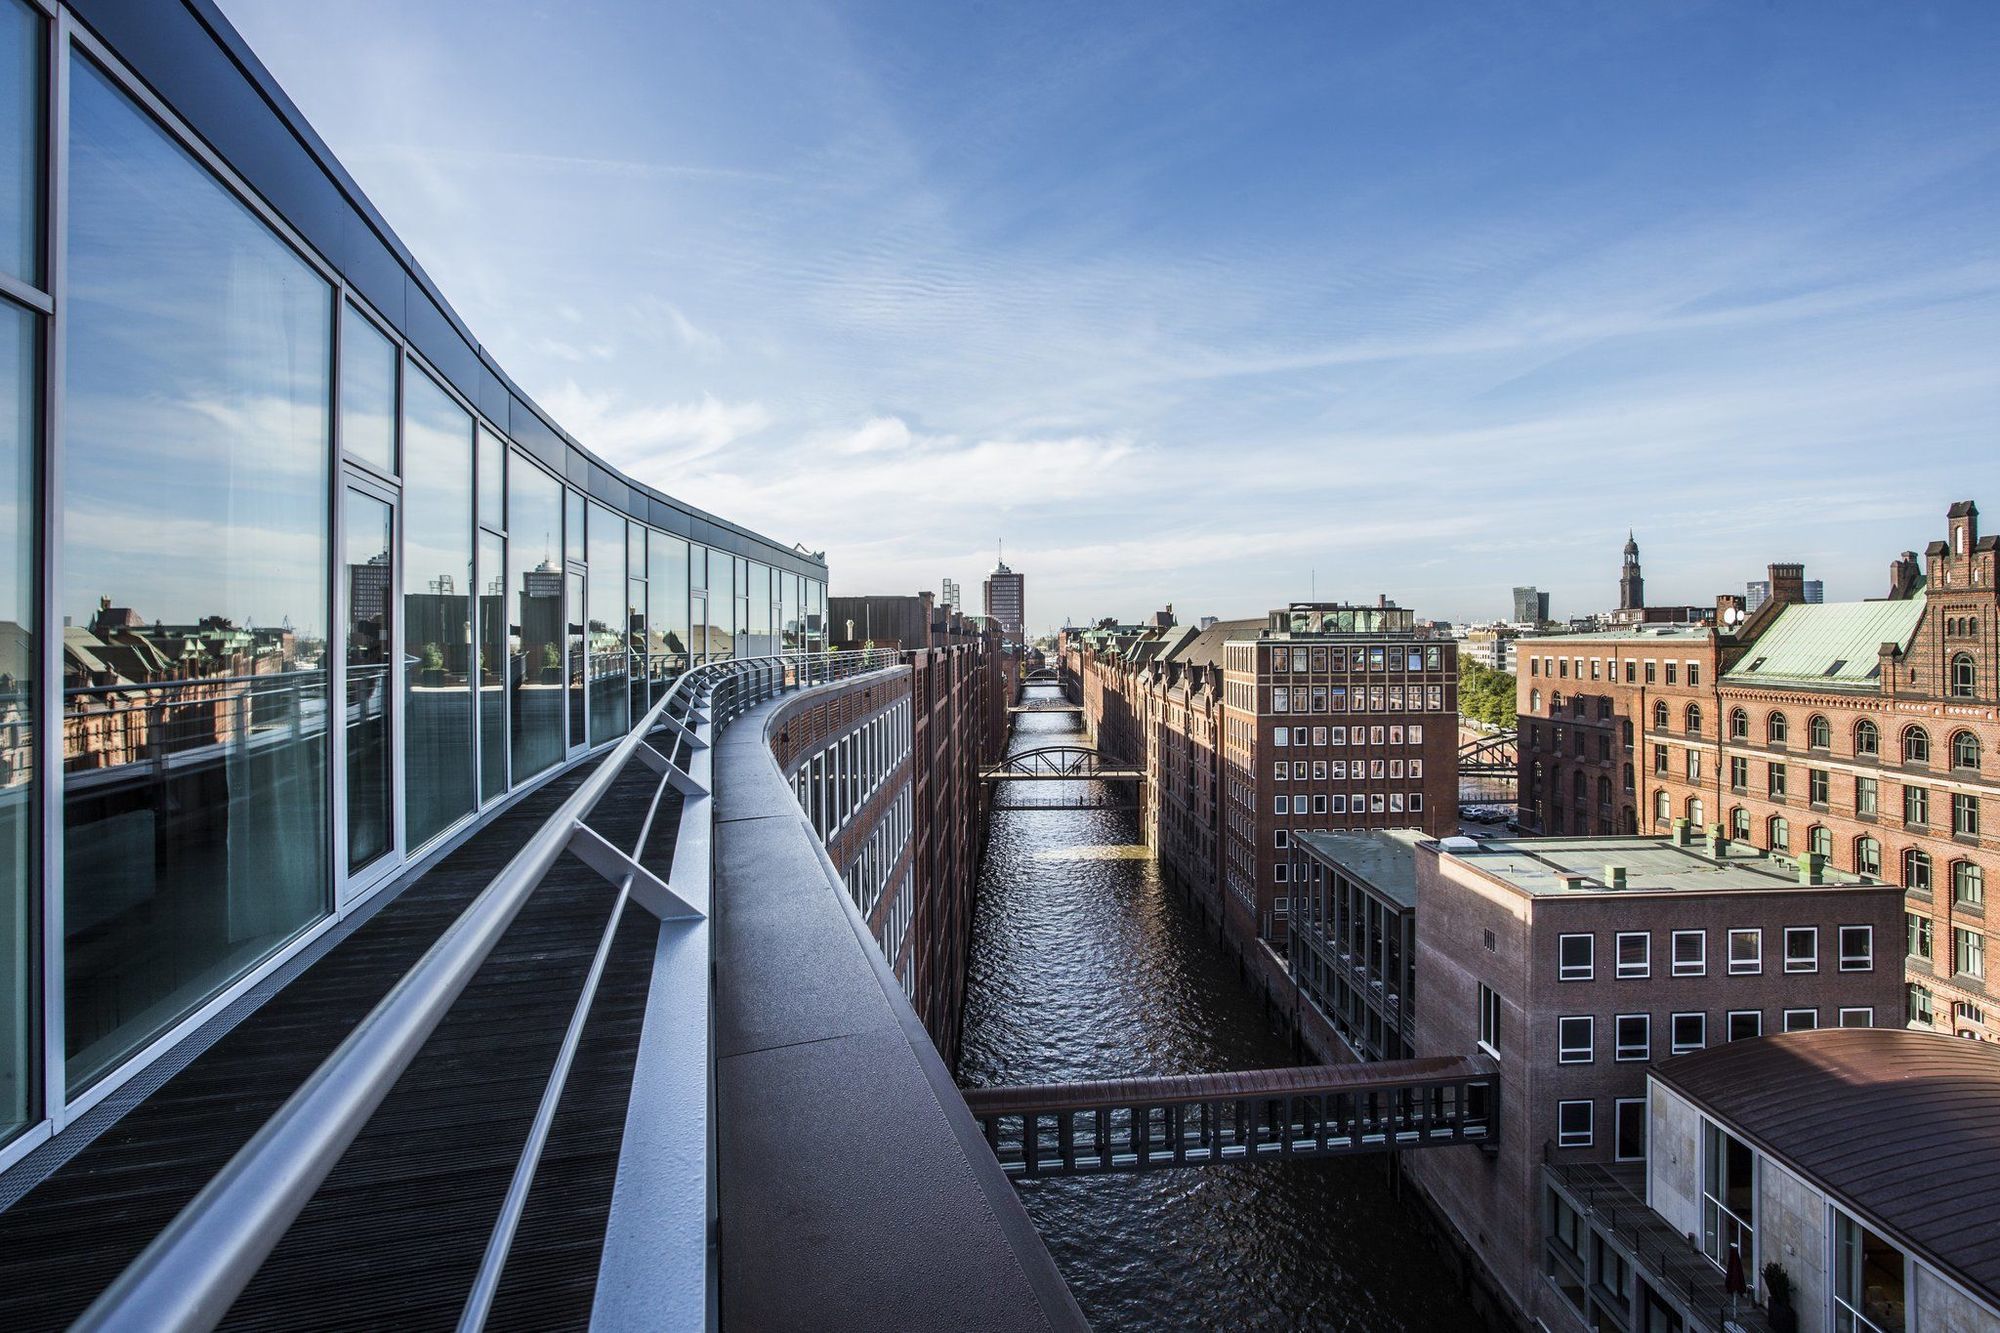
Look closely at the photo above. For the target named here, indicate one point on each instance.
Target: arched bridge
(1497, 755)
(1059, 763)
(1042, 675)
(1074, 1129)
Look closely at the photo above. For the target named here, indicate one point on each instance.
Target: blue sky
(1209, 303)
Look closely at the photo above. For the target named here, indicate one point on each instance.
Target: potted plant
(1778, 1299)
(433, 674)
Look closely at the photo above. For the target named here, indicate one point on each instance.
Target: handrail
(192, 1272)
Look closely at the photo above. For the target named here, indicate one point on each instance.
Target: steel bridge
(1059, 763)
(1488, 768)
(1046, 706)
(1075, 1129)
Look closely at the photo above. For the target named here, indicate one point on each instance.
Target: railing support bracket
(648, 890)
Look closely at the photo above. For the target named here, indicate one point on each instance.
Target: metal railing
(192, 1272)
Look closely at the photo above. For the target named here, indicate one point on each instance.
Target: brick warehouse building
(1863, 731)
(1316, 716)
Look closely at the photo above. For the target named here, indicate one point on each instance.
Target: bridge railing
(1212, 1119)
(195, 1268)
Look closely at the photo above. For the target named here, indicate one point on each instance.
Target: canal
(1084, 965)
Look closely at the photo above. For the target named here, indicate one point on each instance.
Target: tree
(1485, 695)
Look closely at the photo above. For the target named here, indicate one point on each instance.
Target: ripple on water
(1084, 966)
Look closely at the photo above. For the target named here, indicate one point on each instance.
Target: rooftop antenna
(1313, 583)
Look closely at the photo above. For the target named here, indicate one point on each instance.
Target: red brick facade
(1891, 776)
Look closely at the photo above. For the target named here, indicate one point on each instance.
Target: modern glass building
(296, 586)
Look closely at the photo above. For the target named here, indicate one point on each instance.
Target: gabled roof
(1205, 648)
(1834, 644)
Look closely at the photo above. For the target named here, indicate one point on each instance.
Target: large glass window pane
(635, 638)
(535, 632)
(369, 535)
(721, 606)
(20, 141)
(760, 611)
(789, 623)
(667, 630)
(610, 706)
(20, 374)
(493, 660)
(492, 481)
(573, 626)
(437, 609)
(195, 552)
(368, 362)
(573, 526)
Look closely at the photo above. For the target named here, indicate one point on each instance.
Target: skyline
(1700, 273)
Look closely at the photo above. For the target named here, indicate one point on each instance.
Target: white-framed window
(1690, 953)
(1745, 1023)
(1284, 805)
(1746, 949)
(1635, 953)
(1575, 1123)
(1576, 1039)
(1857, 1016)
(1689, 1032)
(1857, 948)
(1729, 1198)
(1281, 838)
(1489, 1020)
(1416, 801)
(1801, 948)
(1281, 738)
(1628, 1125)
(1800, 1020)
(1575, 957)
(1634, 1034)
(1869, 1277)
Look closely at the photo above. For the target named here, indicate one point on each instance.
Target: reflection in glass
(791, 629)
(535, 605)
(20, 374)
(760, 612)
(369, 536)
(610, 705)
(721, 607)
(20, 141)
(194, 557)
(635, 638)
(492, 466)
(739, 626)
(573, 527)
(667, 628)
(437, 609)
(368, 363)
(573, 625)
(493, 659)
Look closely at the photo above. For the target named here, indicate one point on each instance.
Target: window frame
(1865, 961)
(1674, 1042)
(1624, 1052)
(1696, 967)
(1584, 971)
(1747, 967)
(1570, 1054)
(1643, 968)
(1583, 1138)
(1809, 963)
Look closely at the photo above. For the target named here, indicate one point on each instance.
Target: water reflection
(1085, 966)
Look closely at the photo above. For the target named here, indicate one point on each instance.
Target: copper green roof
(1835, 644)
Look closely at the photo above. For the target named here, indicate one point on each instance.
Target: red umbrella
(1732, 1276)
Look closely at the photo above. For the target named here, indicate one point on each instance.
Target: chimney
(1614, 877)
(1718, 842)
(1812, 869)
(1788, 584)
(1573, 883)
(1903, 573)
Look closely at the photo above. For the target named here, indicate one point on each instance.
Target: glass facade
(20, 373)
(259, 490)
(437, 611)
(535, 612)
(21, 141)
(194, 556)
(609, 705)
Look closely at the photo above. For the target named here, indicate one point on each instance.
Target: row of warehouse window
(1559, 668)
(1426, 658)
(1632, 1034)
(834, 783)
(1576, 954)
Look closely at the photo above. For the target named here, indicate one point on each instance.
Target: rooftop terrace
(1383, 859)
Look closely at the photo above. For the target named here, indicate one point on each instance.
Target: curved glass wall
(245, 446)
(194, 583)
(535, 618)
(437, 609)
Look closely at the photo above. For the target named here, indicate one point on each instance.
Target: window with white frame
(1857, 948)
(1634, 1037)
(1745, 1023)
(1728, 1198)
(1690, 953)
(1489, 1020)
(1857, 1016)
(1746, 949)
(1868, 1279)
(1635, 953)
(1575, 1123)
(1799, 1020)
(1575, 1044)
(1689, 1032)
(1628, 1123)
(1575, 957)
(1801, 948)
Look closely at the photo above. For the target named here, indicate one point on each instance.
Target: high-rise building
(1006, 598)
(1758, 591)
(1531, 606)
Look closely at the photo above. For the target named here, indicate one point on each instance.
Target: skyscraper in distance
(1006, 598)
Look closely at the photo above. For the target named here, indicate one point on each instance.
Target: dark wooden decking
(395, 1235)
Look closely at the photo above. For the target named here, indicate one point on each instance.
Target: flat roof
(1902, 1127)
(1383, 859)
(1652, 865)
(1633, 634)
